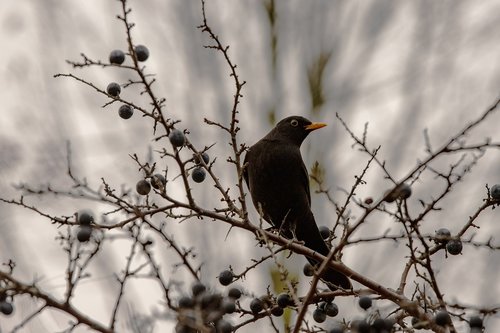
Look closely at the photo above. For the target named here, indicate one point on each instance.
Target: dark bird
(279, 185)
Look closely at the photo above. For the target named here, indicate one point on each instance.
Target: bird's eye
(294, 122)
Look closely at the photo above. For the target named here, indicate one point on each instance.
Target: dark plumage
(279, 186)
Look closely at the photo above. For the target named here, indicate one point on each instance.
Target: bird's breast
(276, 180)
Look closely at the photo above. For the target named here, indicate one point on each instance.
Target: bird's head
(294, 129)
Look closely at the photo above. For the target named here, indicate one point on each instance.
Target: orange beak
(314, 126)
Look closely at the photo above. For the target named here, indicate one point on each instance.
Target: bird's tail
(307, 232)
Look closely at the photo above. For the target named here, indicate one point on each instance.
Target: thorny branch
(139, 218)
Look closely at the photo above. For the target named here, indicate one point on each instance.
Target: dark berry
(84, 233)
(198, 174)
(390, 196)
(495, 192)
(85, 217)
(331, 309)
(186, 302)
(389, 324)
(228, 305)
(234, 293)
(277, 311)
(158, 181)
(454, 247)
(336, 329)
(362, 326)
(308, 269)
(223, 326)
(369, 200)
(211, 301)
(125, 111)
(365, 302)
(476, 322)
(319, 315)
(324, 231)
(114, 89)
(197, 288)
(117, 57)
(6, 308)
(226, 277)
(404, 191)
(443, 235)
(204, 156)
(442, 318)
(143, 187)
(378, 325)
(284, 300)
(176, 138)
(256, 305)
(141, 52)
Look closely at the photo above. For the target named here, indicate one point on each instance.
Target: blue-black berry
(117, 57)
(223, 326)
(495, 192)
(228, 305)
(158, 181)
(205, 157)
(404, 191)
(226, 277)
(365, 302)
(442, 318)
(308, 269)
(85, 217)
(324, 231)
(186, 302)
(319, 315)
(141, 52)
(277, 311)
(177, 138)
(256, 305)
(234, 293)
(84, 233)
(6, 308)
(198, 174)
(475, 322)
(211, 301)
(331, 309)
(443, 235)
(114, 89)
(284, 300)
(378, 325)
(197, 288)
(143, 187)
(336, 329)
(125, 111)
(362, 326)
(454, 247)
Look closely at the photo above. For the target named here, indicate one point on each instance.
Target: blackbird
(279, 185)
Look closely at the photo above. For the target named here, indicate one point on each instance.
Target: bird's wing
(245, 172)
(305, 180)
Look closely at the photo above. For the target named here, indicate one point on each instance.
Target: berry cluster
(117, 57)
(85, 219)
(6, 307)
(204, 309)
(453, 245)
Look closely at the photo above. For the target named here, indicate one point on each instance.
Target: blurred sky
(401, 66)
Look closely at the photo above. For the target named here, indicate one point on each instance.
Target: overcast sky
(401, 66)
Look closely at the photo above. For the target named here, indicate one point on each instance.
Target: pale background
(402, 66)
